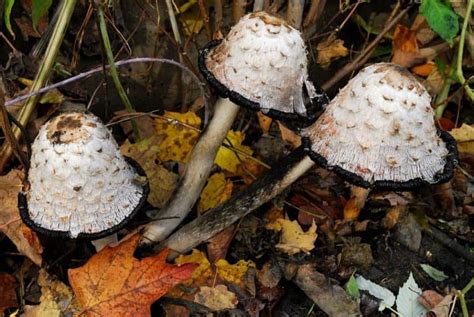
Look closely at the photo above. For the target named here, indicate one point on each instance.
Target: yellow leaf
(51, 96)
(217, 190)
(196, 257)
(464, 137)
(228, 159)
(146, 153)
(178, 136)
(216, 298)
(293, 239)
(329, 49)
(234, 273)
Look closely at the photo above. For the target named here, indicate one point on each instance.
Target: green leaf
(434, 273)
(351, 287)
(441, 18)
(38, 9)
(8, 11)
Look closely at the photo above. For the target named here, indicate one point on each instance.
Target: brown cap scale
(80, 184)
(379, 131)
(262, 65)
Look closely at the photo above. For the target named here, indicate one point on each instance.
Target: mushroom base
(292, 120)
(353, 178)
(25, 216)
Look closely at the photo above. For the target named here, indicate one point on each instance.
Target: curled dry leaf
(330, 49)
(293, 239)
(216, 298)
(113, 282)
(405, 47)
(162, 182)
(264, 122)
(11, 225)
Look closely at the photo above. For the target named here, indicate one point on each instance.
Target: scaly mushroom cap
(80, 184)
(261, 64)
(379, 131)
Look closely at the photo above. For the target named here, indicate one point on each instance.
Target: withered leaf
(113, 282)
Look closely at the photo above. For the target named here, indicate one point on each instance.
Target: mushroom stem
(259, 192)
(356, 202)
(195, 176)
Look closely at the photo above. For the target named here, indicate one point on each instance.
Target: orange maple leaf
(114, 283)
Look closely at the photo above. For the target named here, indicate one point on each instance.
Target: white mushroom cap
(80, 184)
(263, 59)
(380, 129)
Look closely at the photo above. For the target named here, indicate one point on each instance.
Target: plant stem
(462, 299)
(459, 73)
(43, 74)
(113, 68)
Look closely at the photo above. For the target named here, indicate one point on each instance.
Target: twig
(100, 69)
(365, 54)
(450, 244)
(295, 13)
(459, 72)
(238, 9)
(43, 74)
(113, 68)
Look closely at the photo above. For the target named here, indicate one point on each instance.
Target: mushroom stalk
(259, 192)
(195, 176)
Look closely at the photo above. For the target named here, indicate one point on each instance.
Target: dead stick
(365, 55)
(261, 191)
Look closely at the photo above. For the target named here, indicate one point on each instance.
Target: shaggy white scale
(264, 60)
(381, 127)
(80, 183)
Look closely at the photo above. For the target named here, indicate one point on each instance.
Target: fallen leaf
(264, 122)
(7, 292)
(217, 190)
(230, 160)
(293, 239)
(216, 298)
(234, 273)
(179, 135)
(145, 125)
(146, 153)
(56, 299)
(405, 47)
(464, 137)
(113, 282)
(218, 245)
(330, 49)
(51, 96)
(25, 240)
(424, 70)
(289, 136)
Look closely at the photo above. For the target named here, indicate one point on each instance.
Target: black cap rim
(351, 177)
(25, 216)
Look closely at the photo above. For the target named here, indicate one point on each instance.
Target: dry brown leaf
(464, 137)
(293, 239)
(25, 240)
(113, 282)
(218, 245)
(216, 298)
(145, 125)
(330, 49)
(424, 70)
(264, 121)
(405, 47)
(162, 182)
(7, 292)
(289, 136)
(56, 299)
